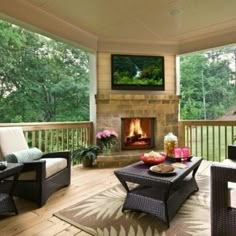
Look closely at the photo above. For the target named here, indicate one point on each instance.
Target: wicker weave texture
(160, 196)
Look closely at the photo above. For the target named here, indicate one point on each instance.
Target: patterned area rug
(101, 215)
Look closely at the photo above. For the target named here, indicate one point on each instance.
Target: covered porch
(178, 29)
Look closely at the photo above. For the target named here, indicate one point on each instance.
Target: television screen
(133, 72)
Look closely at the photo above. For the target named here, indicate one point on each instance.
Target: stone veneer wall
(112, 107)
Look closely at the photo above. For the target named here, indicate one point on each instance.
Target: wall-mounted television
(136, 72)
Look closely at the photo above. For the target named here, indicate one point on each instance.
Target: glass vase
(107, 152)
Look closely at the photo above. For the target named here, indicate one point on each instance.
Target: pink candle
(177, 152)
(185, 152)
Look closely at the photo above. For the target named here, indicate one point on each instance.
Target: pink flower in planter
(107, 138)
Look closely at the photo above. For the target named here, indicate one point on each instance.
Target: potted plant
(85, 155)
(107, 139)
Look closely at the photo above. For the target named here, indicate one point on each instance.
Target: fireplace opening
(137, 133)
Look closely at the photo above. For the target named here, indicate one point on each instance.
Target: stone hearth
(118, 159)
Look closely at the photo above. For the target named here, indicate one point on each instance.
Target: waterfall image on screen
(130, 72)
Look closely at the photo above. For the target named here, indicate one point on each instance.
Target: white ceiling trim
(128, 31)
(46, 23)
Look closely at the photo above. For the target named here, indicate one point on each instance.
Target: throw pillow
(24, 155)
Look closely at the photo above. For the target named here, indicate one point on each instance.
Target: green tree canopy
(206, 88)
(41, 79)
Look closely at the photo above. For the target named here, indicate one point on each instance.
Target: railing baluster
(202, 141)
(46, 141)
(213, 143)
(51, 140)
(40, 139)
(191, 135)
(33, 139)
(219, 142)
(67, 139)
(62, 139)
(207, 141)
(226, 139)
(57, 139)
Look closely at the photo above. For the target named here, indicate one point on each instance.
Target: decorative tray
(178, 159)
(163, 169)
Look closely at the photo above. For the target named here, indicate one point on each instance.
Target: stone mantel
(139, 97)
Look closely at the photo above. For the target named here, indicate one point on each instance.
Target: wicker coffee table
(159, 195)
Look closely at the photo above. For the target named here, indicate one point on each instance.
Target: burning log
(133, 138)
(147, 140)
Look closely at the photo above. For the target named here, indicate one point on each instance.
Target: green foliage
(152, 72)
(205, 77)
(125, 64)
(90, 153)
(140, 81)
(137, 70)
(41, 79)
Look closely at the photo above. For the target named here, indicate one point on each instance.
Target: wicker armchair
(223, 196)
(40, 178)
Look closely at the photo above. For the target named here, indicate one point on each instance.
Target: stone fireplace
(137, 133)
(161, 109)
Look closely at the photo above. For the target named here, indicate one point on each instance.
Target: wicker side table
(7, 204)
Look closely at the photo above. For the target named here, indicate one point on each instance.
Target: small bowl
(152, 160)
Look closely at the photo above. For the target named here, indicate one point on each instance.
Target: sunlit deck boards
(40, 221)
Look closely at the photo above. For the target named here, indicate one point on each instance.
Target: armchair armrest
(220, 176)
(39, 166)
(64, 154)
(33, 165)
(221, 213)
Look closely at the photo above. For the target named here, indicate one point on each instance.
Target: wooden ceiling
(169, 26)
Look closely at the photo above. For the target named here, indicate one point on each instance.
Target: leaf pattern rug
(101, 215)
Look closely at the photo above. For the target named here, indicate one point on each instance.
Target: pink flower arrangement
(107, 138)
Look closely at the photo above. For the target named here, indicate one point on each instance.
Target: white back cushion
(12, 139)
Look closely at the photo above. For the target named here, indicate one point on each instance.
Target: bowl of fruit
(153, 158)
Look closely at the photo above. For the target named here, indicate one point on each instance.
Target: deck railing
(56, 136)
(208, 139)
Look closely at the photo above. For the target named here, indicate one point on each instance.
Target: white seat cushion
(232, 197)
(229, 162)
(53, 165)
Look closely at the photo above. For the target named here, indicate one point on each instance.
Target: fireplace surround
(111, 108)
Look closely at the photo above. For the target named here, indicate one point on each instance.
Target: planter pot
(87, 162)
(107, 152)
(232, 151)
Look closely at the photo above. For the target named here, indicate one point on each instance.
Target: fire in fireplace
(137, 133)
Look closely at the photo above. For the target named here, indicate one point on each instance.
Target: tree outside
(208, 84)
(41, 80)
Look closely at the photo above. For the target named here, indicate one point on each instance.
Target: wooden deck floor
(40, 221)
